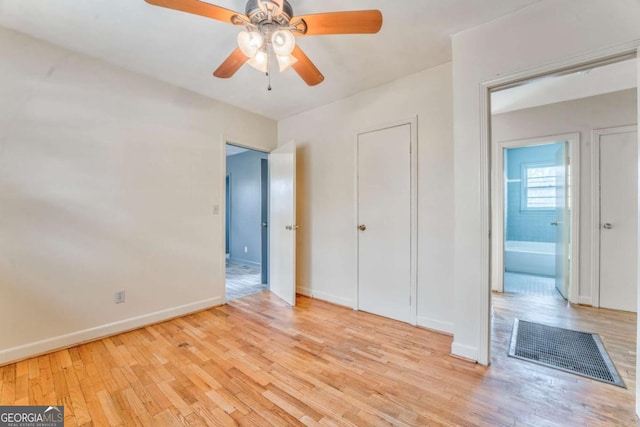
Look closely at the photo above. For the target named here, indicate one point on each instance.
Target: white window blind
(539, 187)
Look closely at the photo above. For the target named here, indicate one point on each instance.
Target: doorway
(246, 235)
(539, 107)
(272, 223)
(536, 216)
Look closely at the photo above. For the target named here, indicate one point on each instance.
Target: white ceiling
(549, 90)
(184, 49)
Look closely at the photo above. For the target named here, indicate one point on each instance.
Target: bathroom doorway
(535, 185)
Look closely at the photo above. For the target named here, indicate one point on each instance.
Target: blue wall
(527, 225)
(245, 201)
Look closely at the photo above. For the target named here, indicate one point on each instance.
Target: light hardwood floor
(258, 362)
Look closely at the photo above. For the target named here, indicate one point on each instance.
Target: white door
(618, 220)
(282, 210)
(562, 223)
(384, 222)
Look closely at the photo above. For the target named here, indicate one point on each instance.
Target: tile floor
(531, 285)
(243, 280)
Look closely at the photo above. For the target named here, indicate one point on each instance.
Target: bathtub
(530, 257)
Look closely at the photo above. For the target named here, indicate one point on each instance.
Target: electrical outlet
(118, 297)
(246, 249)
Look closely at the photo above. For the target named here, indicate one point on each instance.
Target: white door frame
(564, 65)
(497, 215)
(595, 205)
(413, 124)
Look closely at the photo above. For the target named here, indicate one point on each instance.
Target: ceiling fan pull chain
(269, 69)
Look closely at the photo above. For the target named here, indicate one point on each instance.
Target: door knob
(607, 226)
(362, 227)
(554, 223)
(264, 224)
(291, 227)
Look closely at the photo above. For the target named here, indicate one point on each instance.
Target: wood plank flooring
(257, 362)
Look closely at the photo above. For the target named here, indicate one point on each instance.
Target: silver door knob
(607, 226)
(264, 224)
(291, 227)
(362, 227)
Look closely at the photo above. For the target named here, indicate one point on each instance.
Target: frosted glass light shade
(250, 42)
(259, 61)
(283, 42)
(285, 62)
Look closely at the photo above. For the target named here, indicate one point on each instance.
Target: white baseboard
(323, 296)
(585, 300)
(303, 290)
(74, 338)
(436, 325)
(465, 351)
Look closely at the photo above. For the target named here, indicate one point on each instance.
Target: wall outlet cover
(118, 297)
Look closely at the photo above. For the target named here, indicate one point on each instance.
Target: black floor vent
(577, 352)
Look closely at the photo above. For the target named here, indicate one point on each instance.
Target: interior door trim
(595, 207)
(413, 126)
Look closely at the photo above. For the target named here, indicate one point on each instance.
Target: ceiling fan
(269, 29)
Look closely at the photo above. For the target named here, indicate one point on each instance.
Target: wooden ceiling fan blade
(305, 68)
(198, 8)
(353, 22)
(230, 65)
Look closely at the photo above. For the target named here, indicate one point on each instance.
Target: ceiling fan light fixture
(285, 62)
(283, 42)
(250, 42)
(269, 28)
(259, 61)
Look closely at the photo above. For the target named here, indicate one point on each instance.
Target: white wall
(535, 36)
(107, 181)
(583, 116)
(327, 237)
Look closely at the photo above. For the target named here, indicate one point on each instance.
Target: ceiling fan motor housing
(257, 15)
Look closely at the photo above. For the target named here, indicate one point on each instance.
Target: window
(538, 186)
